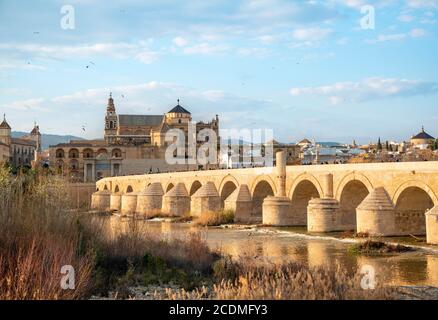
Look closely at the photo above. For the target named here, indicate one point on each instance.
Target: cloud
(120, 50)
(369, 89)
(19, 65)
(147, 57)
(267, 39)
(206, 48)
(417, 33)
(414, 33)
(406, 18)
(180, 41)
(358, 4)
(254, 52)
(423, 4)
(311, 34)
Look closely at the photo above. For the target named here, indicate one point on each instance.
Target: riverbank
(315, 267)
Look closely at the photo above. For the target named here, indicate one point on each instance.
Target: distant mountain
(47, 139)
(330, 144)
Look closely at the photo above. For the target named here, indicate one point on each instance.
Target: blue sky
(302, 68)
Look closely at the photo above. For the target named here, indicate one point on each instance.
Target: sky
(306, 69)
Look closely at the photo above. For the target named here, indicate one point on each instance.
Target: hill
(47, 139)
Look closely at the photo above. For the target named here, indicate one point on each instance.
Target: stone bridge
(387, 199)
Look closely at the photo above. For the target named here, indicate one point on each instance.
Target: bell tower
(5, 132)
(110, 121)
(36, 136)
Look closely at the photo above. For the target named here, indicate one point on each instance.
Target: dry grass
(134, 239)
(215, 218)
(378, 247)
(247, 279)
(38, 235)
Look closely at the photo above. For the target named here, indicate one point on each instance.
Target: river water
(418, 268)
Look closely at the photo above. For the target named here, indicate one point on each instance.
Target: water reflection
(413, 268)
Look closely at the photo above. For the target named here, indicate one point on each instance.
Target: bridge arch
(227, 186)
(265, 178)
(415, 183)
(351, 196)
(129, 189)
(227, 189)
(116, 189)
(305, 188)
(262, 189)
(169, 187)
(412, 200)
(354, 176)
(194, 187)
(306, 177)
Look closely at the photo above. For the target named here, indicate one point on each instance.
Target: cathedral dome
(422, 138)
(179, 109)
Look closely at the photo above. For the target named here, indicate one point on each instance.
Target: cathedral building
(422, 140)
(19, 152)
(132, 144)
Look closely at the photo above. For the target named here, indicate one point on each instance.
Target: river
(416, 268)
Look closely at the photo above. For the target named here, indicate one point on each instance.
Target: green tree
(435, 145)
(379, 145)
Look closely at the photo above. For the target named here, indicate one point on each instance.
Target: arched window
(73, 153)
(74, 165)
(59, 153)
(116, 153)
(88, 153)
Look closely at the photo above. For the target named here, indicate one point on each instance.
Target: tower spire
(110, 106)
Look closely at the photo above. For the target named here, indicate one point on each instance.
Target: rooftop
(423, 135)
(21, 141)
(178, 109)
(140, 120)
(4, 124)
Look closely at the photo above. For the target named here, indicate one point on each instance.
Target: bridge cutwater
(379, 199)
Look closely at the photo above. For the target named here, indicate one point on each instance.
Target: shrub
(215, 218)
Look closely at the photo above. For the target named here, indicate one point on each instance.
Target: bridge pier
(277, 209)
(128, 204)
(376, 214)
(323, 213)
(100, 200)
(241, 203)
(432, 226)
(116, 202)
(176, 202)
(206, 200)
(149, 201)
